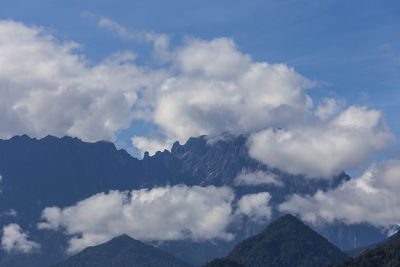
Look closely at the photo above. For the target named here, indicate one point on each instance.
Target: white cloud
(160, 41)
(218, 89)
(168, 213)
(14, 239)
(327, 108)
(48, 88)
(255, 206)
(109, 24)
(257, 178)
(151, 145)
(325, 149)
(372, 198)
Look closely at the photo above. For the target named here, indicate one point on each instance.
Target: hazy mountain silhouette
(385, 254)
(122, 251)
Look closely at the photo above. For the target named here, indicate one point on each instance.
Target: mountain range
(40, 173)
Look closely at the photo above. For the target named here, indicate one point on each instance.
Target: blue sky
(351, 48)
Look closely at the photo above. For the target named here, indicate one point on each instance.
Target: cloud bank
(350, 139)
(371, 198)
(163, 213)
(15, 239)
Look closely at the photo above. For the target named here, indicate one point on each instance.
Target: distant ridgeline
(385, 254)
(39, 173)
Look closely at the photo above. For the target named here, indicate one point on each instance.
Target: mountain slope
(122, 251)
(358, 251)
(286, 242)
(385, 254)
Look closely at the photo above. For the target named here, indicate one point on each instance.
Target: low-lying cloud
(255, 206)
(371, 198)
(257, 178)
(163, 213)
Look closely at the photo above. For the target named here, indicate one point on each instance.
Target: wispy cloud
(115, 27)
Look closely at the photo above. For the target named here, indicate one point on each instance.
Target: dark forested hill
(122, 251)
(286, 242)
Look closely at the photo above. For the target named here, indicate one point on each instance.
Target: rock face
(39, 173)
(122, 251)
(286, 242)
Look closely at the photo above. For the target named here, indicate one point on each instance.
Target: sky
(312, 83)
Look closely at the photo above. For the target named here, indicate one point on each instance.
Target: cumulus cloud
(167, 213)
(15, 239)
(151, 145)
(327, 108)
(255, 206)
(218, 89)
(257, 178)
(371, 198)
(350, 139)
(48, 88)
